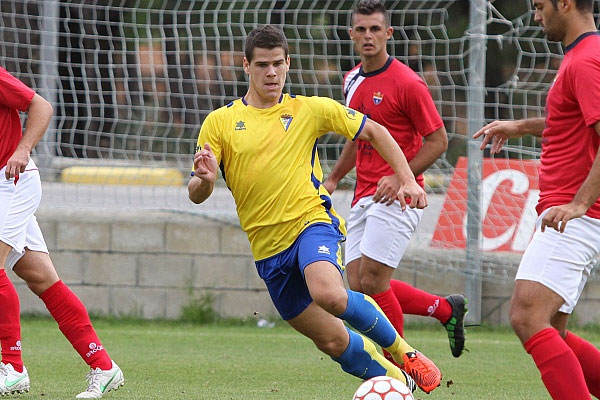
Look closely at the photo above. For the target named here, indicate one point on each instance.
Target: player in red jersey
(392, 94)
(23, 249)
(562, 253)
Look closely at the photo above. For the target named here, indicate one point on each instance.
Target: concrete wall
(151, 264)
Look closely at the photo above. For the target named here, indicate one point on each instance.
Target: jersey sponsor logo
(377, 98)
(286, 120)
(94, 348)
(17, 346)
(323, 250)
(350, 113)
(240, 126)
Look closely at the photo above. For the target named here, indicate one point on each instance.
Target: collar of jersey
(377, 71)
(579, 39)
(246, 103)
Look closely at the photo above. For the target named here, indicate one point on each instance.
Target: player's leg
(383, 234)
(17, 205)
(13, 374)
(356, 354)
(376, 240)
(325, 284)
(36, 268)
(288, 290)
(550, 279)
(449, 310)
(588, 356)
(532, 307)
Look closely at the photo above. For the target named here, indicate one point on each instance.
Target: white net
(132, 80)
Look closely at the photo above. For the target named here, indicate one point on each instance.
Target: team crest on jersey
(240, 126)
(377, 98)
(286, 120)
(350, 113)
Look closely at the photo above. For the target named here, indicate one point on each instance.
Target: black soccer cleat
(410, 382)
(455, 326)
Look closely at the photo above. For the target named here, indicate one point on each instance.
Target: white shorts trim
(562, 262)
(380, 232)
(18, 203)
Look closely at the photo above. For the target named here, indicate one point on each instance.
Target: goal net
(131, 82)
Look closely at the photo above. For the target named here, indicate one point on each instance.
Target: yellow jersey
(268, 158)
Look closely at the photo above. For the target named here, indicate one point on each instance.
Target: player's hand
(330, 185)
(497, 132)
(205, 164)
(16, 164)
(418, 198)
(558, 216)
(387, 190)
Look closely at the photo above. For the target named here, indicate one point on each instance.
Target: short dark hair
(584, 6)
(265, 37)
(369, 7)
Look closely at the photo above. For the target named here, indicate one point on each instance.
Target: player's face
(267, 72)
(550, 19)
(370, 34)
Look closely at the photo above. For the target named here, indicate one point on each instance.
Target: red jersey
(569, 140)
(15, 96)
(397, 98)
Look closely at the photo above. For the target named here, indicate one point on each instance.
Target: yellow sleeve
(331, 116)
(211, 134)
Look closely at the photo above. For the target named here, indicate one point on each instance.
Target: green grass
(166, 360)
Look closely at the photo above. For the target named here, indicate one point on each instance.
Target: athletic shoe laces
(93, 377)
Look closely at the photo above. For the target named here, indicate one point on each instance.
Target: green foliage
(200, 310)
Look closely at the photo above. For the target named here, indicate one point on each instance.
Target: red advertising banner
(509, 193)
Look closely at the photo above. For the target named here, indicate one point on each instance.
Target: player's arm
(498, 132)
(38, 119)
(434, 146)
(343, 165)
(589, 192)
(389, 150)
(201, 186)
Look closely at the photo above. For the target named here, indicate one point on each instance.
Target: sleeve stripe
(361, 127)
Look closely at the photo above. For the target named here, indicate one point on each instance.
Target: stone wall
(151, 264)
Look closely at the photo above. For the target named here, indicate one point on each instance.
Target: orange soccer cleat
(426, 375)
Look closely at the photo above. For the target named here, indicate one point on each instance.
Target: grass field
(167, 360)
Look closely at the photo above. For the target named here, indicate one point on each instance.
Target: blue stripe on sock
(368, 320)
(356, 361)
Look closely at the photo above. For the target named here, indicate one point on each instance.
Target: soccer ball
(383, 388)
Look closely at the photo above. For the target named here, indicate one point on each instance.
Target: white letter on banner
(527, 225)
(520, 185)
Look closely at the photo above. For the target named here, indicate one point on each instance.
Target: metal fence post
(46, 149)
(475, 116)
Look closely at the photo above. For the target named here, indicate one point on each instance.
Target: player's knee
(372, 284)
(524, 322)
(37, 277)
(334, 302)
(332, 345)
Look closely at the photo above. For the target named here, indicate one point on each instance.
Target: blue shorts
(283, 273)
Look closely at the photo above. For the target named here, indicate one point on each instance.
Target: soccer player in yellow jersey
(265, 145)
